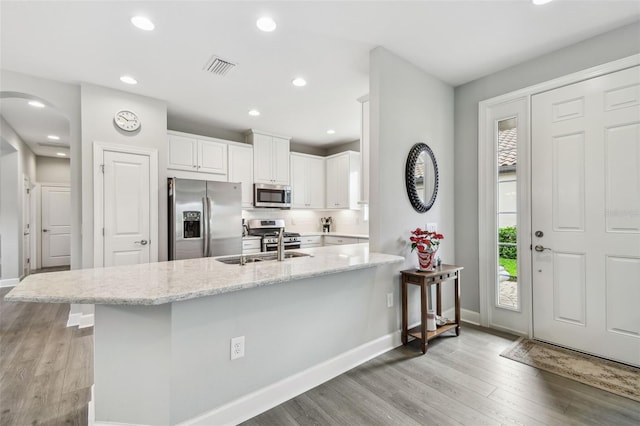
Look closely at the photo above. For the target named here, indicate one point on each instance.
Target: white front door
(586, 216)
(127, 208)
(56, 226)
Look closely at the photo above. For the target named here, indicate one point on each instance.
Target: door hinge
(103, 232)
(28, 191)
(102, 168)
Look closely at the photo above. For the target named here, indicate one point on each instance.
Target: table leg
(423, 316)
(438, 300)
(457, 296)
(405, 320)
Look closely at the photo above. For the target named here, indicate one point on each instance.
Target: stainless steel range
(268, 229)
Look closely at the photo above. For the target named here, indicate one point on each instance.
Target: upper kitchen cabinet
(307, 181)
(343, 180)
(270, 157)
(205, 155)
(241, 170)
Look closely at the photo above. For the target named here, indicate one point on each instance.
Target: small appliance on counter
(326, 223)
(268, 229)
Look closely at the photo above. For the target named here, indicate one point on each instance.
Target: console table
(425, 280)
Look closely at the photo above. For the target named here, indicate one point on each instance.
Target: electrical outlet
(432, 227)
(389, 300)
(237, 347)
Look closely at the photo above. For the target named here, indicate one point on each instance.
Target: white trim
(257, 402)
(471, 317)
(98, 197)
(483, 170)
(74, 319)
(9, 282)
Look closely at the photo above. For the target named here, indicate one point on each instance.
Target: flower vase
(426, 260)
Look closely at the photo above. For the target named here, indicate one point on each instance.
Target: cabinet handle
(195, 167)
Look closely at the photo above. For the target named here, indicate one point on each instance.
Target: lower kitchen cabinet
(331, 240)
(310, 241)
(251, 245)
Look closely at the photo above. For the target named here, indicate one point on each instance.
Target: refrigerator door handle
(205, 223)
(209, 219)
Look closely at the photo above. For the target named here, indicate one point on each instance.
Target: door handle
(141, 242)
(540, 248)
(45, 230)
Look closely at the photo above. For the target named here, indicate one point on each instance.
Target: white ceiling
(326, 42)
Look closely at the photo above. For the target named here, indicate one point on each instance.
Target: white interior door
(56, 226)
(586, 207)
(26, 227)
(127, 207)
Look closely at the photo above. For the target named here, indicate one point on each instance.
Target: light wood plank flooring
(46, 369)
(46, 374)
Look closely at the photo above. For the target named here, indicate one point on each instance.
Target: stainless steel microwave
(274, 196)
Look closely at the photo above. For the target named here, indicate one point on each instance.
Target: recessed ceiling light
(266, 24)
(36, 104)
(254, 113)
(540, 2)
(299, 82)
(330, 132)
(53, 137)
(61, 154)
(143, 23)
(128, 79)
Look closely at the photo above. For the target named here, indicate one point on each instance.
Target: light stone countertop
(166, 282)
(335, 234)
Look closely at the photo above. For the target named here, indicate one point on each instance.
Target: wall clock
(127, 120)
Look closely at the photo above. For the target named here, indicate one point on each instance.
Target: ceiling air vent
(53, 145)
(219, 66)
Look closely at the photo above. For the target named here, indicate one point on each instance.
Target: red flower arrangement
(425, 241)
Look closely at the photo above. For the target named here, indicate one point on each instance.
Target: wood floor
(46, 369)
(459, 381)
(46, 374)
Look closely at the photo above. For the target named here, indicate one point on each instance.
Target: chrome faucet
(281, 244)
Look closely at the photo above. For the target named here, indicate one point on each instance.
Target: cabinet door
(183, 153)
(315, 183)
(280, 157)
(338, 182)
(241, 170)
(262, 159)
(212, 157)
(299, 188)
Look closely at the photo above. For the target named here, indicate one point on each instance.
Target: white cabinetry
(197, 155)
(270, 158)
(241, 170)
(311, 241)
(307, 181)
(330, 240)
(343, 180)
(251, 245)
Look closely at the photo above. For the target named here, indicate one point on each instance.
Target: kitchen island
(163, 331)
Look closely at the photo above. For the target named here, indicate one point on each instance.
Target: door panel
(56, 226)
(586, 201)
(126, 209)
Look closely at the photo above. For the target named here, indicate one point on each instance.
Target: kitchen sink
(262, 257)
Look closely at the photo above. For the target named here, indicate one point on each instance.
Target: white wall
(66, 99)
(53, 170)
(15, 163)
(99, 105)
(604, 48)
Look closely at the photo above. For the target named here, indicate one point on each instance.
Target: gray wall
(407, 106)
(604, 48)
(53, 170)
(99, 104)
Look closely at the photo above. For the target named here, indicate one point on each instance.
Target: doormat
(621, 379)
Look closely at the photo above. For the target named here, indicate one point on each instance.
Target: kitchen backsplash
(347, 221)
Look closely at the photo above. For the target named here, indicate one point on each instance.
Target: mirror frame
(412, 192)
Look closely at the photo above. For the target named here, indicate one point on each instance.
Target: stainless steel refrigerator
(205, 218)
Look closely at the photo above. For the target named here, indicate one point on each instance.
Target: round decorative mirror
(421, 176)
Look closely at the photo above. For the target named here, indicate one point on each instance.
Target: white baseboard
(80, 321)
(257, 402)
(9, 282)
(465, 315)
